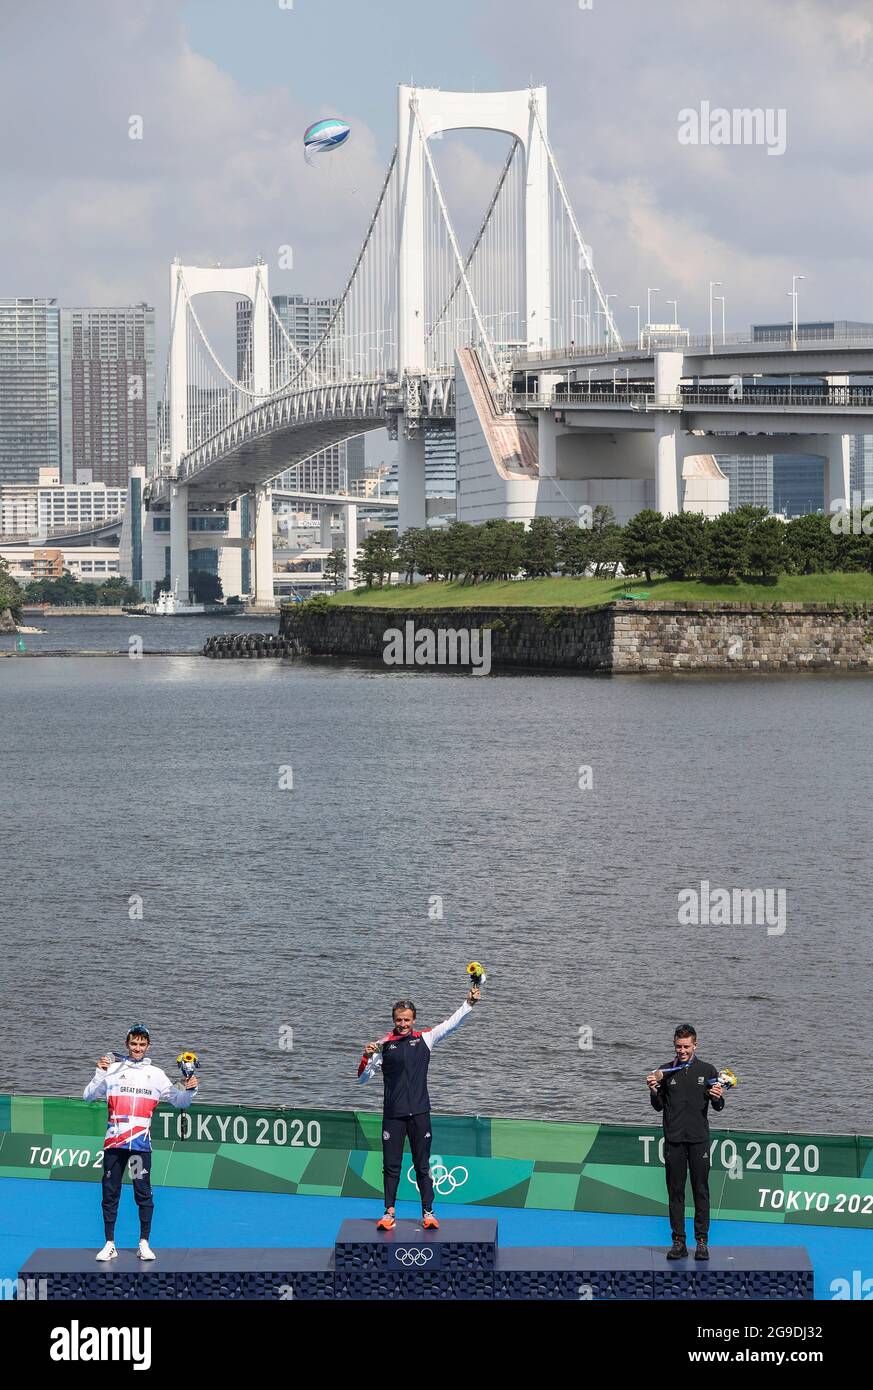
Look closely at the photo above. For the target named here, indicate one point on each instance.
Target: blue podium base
(459, 1261)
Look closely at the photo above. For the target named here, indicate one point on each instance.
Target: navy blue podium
(460, 1261)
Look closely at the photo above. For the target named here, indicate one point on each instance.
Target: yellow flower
(187, 1057)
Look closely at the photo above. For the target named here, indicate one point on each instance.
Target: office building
(29, 388)
(29, 509)
(108, 398)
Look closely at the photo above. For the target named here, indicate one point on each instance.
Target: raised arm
(441, 1030)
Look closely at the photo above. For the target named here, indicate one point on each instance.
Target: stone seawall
(622, 638)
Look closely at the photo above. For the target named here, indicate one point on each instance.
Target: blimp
(323, 136)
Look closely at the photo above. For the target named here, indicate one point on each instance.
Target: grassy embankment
(833, 588)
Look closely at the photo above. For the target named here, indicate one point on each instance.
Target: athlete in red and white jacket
(132, 1088)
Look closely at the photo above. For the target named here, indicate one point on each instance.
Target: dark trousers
(394, 1134)
(678, 1158)
(114, 1163)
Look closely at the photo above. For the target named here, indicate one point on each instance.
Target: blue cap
(139, 1028)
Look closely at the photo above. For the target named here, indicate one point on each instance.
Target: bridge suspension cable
(366, 308)
(481, 337)
(573, 274)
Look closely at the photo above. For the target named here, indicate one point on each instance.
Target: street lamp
(639, 330)
(605, 312)
(675, 312)
(712, 285)
(794, 280)
(649, 293)
(581, 315)
(720, 299)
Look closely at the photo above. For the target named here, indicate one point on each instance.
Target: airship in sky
(324, 136)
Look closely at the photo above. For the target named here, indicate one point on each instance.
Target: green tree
(412, 552)
(767, 548)
(204, 586)
(458, 544)
(683, 545)
(811, 545)
(540, 550)
(605, 541)
(727, 542)
(641, 543)
(11, 594)
(572, 546)
(335, 566)
(64, 589)
(501, 548)
(117, 590)
(376, 558)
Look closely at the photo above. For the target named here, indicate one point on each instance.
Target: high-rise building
(861, 466)
(798, 484)
(29, 388)
(108, 400)
(440, 461)
(750, 478)
(305, 320)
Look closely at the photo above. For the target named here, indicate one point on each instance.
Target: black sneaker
(702, 1251)
(678, 1250)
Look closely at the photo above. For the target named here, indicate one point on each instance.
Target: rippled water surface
(434, 819)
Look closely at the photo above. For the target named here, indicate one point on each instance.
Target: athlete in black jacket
(683, 1090)
(403, 1057)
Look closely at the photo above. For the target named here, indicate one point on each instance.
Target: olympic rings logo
(445, 1180)
(412, 1257)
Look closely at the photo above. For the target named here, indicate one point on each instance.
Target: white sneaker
(108, 1252)
(144, 1251)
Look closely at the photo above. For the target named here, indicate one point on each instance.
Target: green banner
(820, 1179)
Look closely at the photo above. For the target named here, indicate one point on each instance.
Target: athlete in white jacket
(132, 1088)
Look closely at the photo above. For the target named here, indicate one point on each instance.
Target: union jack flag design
(132, 1091)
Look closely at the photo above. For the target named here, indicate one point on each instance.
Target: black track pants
(678, 1158)
(114, 1163)
(394, 1133)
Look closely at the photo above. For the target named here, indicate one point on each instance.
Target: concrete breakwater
(624, 637)
(249, 645)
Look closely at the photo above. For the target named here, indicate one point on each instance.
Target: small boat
(169, 605)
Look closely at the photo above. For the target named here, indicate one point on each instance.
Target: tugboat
(169, 605)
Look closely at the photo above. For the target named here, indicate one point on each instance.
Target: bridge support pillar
(837, 484)
(179, 539)
(261, 508)
(547, 444)
(230, 556)
(326, 529)
(667, 463)
(668, 455)
(411, 502)
(351, 512)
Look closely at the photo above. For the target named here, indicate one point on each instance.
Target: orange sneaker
(386, 1222)
(429, 1222)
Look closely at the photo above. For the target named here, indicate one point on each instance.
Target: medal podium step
(460, 1261)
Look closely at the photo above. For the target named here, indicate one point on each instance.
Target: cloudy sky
(224, 89)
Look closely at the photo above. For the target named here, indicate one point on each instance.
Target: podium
(460, 1261)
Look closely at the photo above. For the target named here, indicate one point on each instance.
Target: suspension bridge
(387, 357)
(425, 333)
